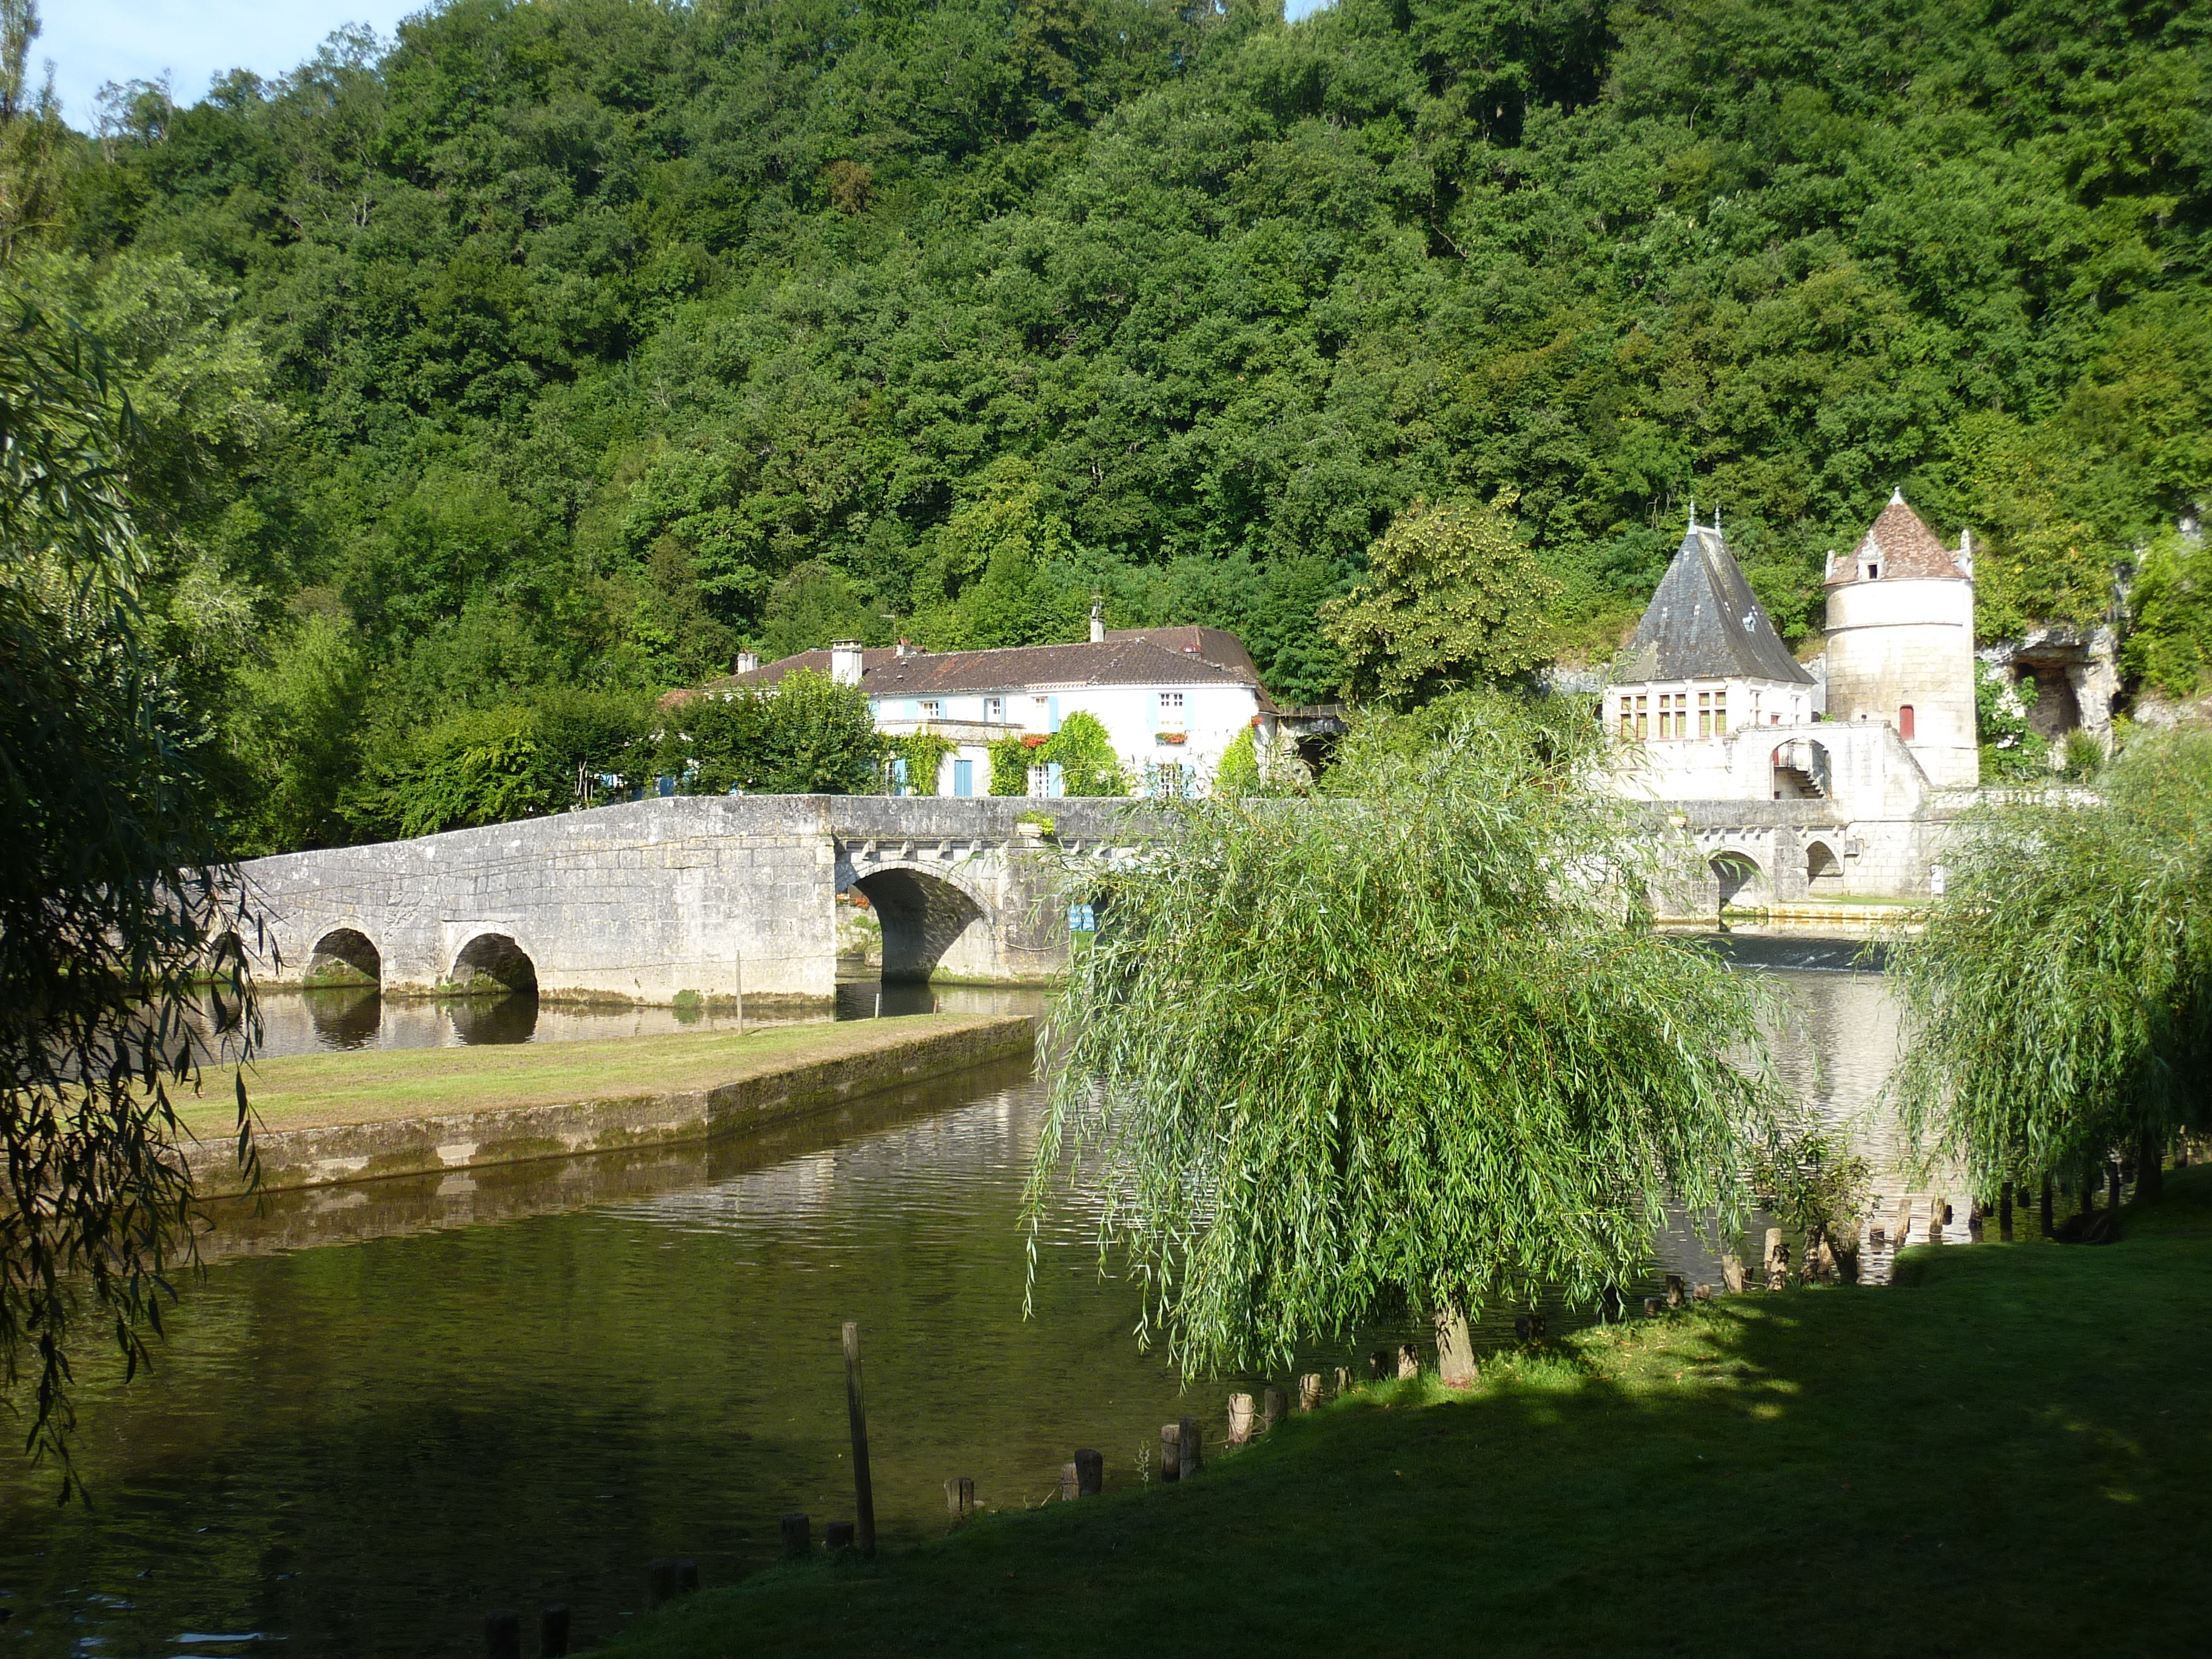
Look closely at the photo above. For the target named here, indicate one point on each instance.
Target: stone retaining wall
(340, 1153)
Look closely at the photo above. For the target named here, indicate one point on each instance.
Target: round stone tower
(1901, 641)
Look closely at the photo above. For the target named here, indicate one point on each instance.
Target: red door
(1904, 722)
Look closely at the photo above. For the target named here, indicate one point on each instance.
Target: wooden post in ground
(553, 1631)
(960, 1495)
(1187, 1443)
(1343, 1378)
(1310, 1391)
(1732, 1273)
(837, 1535)
(1240, 1419)
(1170, 1451)
(1409, 1361)
(1090, 1472)
(797, 1540)
(1067, 1479)
(864, 1493)
(1271, 1407)
(502, 1635)
(1777, 1261)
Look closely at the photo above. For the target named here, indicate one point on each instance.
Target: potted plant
(1034, 826)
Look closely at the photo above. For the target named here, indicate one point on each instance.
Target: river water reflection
(390, 1408)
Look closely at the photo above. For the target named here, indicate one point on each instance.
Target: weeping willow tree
(115, 908)
(2059, 1001)
(1399, 1051)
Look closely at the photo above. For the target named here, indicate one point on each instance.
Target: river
(388, 1409)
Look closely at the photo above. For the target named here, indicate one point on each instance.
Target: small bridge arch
(1824, 871)
(933, 920)
(345, 956)
(1738, 875)
(493, 964)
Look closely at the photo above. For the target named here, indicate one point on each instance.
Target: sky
(192, 41)
(91, 42)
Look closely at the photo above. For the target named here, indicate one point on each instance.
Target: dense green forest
(500, 378)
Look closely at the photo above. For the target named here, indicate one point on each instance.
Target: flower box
(1170, 736)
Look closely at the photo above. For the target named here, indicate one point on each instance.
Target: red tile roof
(1902, 547)
(1174, 656)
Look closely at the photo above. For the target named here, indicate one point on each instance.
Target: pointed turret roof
(1706, 623)
(1902, 546)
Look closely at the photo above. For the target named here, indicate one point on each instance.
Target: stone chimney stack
(1097, 619)
(906, 649)
(747, 661)
(845, 662)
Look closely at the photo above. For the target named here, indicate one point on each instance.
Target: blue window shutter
(1052, 714)
(963, 777)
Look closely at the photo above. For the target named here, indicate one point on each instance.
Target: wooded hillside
(496, 382)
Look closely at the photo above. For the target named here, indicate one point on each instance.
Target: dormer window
(1874, 573)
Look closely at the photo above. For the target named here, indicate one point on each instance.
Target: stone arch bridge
(706, 895)
(657, 900)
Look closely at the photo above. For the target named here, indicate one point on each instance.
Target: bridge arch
(493, 964)
(345, 956)
(1738, 874)
(931, 919)
(1824, 871)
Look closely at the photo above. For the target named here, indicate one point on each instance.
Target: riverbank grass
(374, 1085)
(2013, 1452)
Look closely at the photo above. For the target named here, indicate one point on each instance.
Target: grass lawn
(367, 1085)
(2014, 1453)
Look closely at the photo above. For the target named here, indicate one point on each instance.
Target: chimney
(905, 650)
(1097, 619)
(747, 661)
(845, 662)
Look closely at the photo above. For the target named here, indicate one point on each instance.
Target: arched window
(1904, 722)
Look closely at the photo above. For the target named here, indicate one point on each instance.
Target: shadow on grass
(2013, 1454)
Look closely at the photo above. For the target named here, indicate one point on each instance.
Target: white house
(1171, 700)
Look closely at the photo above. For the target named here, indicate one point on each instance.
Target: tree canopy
(581, 342)
(114, 900)
(2059, 1000)
(1372, 1056)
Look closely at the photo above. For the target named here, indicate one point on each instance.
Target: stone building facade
(1901, 642)
(1785, 802)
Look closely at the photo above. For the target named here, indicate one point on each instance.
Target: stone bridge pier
(665, 900)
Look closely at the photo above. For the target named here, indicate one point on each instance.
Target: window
(1904, 722)
(994, 709)
(1720, 714)
(1627, 717)
(1874, 573)
(1705, 713)
(1641, 719)
(931, 709)
(1170, 711)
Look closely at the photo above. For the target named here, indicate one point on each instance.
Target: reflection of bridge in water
(692, 898)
